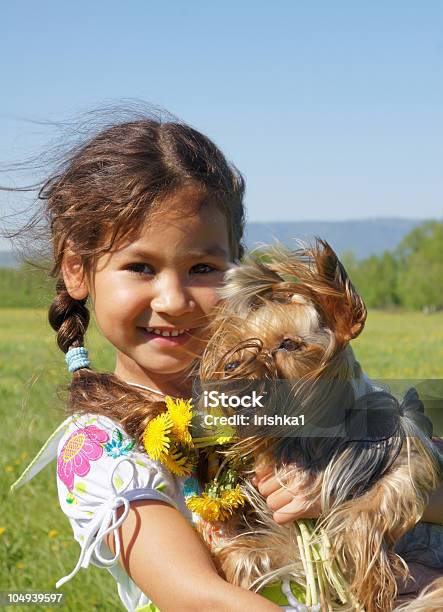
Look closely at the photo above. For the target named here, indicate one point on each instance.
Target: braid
(69, 318)
(97, 392)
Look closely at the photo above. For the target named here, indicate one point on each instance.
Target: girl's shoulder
(79, 420)
(91, 438)
(98, 430)
(92, 446)
(97, 461)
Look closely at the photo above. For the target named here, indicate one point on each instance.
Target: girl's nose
(172, 298)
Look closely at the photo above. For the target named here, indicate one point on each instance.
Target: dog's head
(286, 314)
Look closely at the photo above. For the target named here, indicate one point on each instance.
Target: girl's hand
(286, 494)
(291, 502)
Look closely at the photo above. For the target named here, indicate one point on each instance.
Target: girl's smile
(167, 336)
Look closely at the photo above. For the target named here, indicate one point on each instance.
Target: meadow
(36, 546)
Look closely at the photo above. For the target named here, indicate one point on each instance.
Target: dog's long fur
(291, 315)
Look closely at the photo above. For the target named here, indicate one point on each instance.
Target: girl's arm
(166, 559)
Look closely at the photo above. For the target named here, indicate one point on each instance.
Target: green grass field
(36, 546)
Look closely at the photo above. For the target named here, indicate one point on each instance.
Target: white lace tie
(106, 522)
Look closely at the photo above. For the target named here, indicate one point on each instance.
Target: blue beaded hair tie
(77, 358)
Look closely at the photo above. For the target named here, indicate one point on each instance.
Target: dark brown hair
(100, 195)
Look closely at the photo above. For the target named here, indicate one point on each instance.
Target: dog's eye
(231, 366)
(288, 344)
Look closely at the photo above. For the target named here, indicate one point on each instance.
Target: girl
(145, 218)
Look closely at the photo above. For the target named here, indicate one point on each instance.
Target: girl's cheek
(207, 298)
(130, 298)
(119, 305)
(127, 296)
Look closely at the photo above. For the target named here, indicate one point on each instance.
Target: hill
(364, 237)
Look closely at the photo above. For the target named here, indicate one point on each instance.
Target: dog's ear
(343, 308)
(247, 285)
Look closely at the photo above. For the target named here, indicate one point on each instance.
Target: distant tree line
(411, 276)
(26, 287)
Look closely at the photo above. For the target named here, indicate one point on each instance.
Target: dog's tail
(429, 600)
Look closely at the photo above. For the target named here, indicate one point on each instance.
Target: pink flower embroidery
(83, 446)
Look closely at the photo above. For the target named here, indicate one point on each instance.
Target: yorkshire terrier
(289, 316)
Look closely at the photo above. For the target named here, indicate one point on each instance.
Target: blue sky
(332, 110)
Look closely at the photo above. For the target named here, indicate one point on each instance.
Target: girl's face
(152, 298)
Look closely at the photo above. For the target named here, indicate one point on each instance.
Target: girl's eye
(141, 268)
(203, 268)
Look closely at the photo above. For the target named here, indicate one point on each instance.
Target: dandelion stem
(310, 575)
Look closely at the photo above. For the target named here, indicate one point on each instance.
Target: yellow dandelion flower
(178, 463)
(19, 565)
(156, 437)
(180, 411)
(207, 507)
(53, 533)
(8, 468)
(219, 508)
(233, 498)
(2, 530)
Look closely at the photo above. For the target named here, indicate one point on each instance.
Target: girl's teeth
(159, 332)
